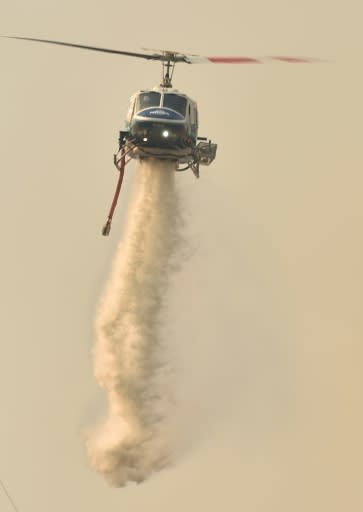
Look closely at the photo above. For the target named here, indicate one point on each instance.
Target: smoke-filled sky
(264, 315)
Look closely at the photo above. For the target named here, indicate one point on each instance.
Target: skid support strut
(120, 164)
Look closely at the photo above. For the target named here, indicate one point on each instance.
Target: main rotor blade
(196, 59)
(92, 48)
(171, 56)
(199, 59)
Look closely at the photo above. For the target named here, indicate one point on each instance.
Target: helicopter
(162, 122)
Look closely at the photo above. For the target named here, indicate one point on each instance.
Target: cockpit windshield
(147, 99)
(175, 102)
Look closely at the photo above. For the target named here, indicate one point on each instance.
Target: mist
(130, 359)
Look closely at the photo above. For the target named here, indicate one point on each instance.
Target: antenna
(9, 496)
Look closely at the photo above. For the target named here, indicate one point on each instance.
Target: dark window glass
(175, 102)
(147, 99)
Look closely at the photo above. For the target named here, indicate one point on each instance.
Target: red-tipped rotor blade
(194, 59)
(234, 60)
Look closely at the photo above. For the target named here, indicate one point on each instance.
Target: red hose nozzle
(106, 228)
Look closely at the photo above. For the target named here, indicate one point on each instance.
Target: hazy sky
(265, 313)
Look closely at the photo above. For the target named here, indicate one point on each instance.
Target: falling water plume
(130, 362)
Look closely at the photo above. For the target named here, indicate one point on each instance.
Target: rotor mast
(169, 60)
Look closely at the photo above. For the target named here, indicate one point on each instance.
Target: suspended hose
(107, 227)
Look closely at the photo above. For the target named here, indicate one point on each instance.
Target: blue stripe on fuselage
(160, 113)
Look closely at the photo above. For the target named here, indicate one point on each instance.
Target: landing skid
(193, 166)
(203, 154)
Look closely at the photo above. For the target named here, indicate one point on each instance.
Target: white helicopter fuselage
(162, 123)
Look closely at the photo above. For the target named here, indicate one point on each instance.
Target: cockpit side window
(130, 111)
(175, 102)
(147, 99)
